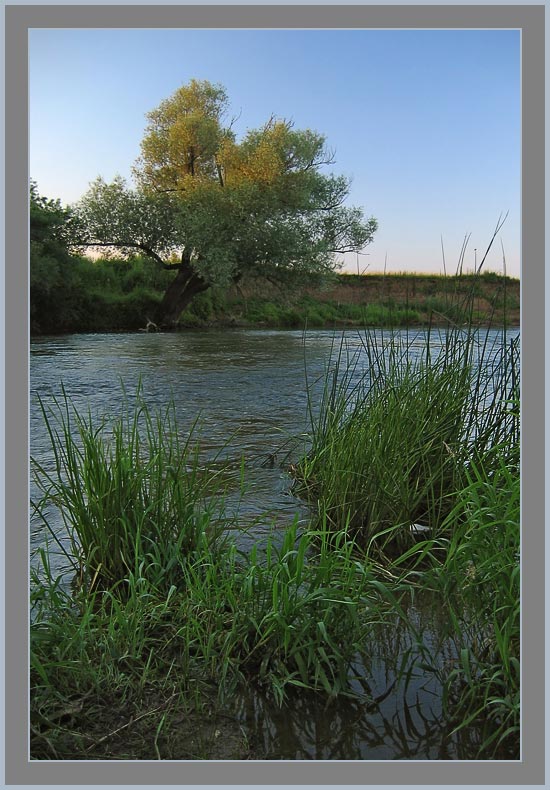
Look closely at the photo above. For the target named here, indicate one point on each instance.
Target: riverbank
(121, 295)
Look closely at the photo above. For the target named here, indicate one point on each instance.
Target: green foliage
(183, 138)
(205, 308)
(51, 225)
(112, 216)
(304, 311)
(71, 294)
(202, 306)
(55, 295)
(108, 311)
(444, 308)
(380, 315)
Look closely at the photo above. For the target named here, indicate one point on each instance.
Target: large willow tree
(213, 208)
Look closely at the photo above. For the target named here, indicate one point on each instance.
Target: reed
(165, 607)
(103, 676)
(428, 432)
(291, 616)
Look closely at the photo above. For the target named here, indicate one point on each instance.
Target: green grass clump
(427, 432)
(131, 492)
(392, 445)
(392, 441)
(386, 449)
(291, 616)
(106, 680)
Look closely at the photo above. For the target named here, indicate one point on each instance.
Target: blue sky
(427, 123)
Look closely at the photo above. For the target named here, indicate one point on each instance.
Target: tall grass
(392, 443)
(102, 671)
(483, 556)
(292, 617)
(417, 455)
(132, 494)
(164, 608)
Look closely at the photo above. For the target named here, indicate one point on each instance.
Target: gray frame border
(531, 20)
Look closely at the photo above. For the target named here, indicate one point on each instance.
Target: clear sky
(426, 122)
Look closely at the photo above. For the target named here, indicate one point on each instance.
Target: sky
(426, 123)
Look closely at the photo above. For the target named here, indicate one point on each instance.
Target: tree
(223, 208)
(49, 222)
(51, 266)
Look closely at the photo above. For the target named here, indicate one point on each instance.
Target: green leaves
(183, 139)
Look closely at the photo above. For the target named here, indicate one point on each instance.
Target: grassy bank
(81, 295)
(377, 300)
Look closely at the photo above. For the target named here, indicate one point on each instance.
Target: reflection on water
(344, 729)
(249, 389)
(398, 715)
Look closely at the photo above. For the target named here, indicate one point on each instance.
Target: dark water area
(249, 391)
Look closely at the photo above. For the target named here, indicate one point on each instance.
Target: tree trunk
(183, 288)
